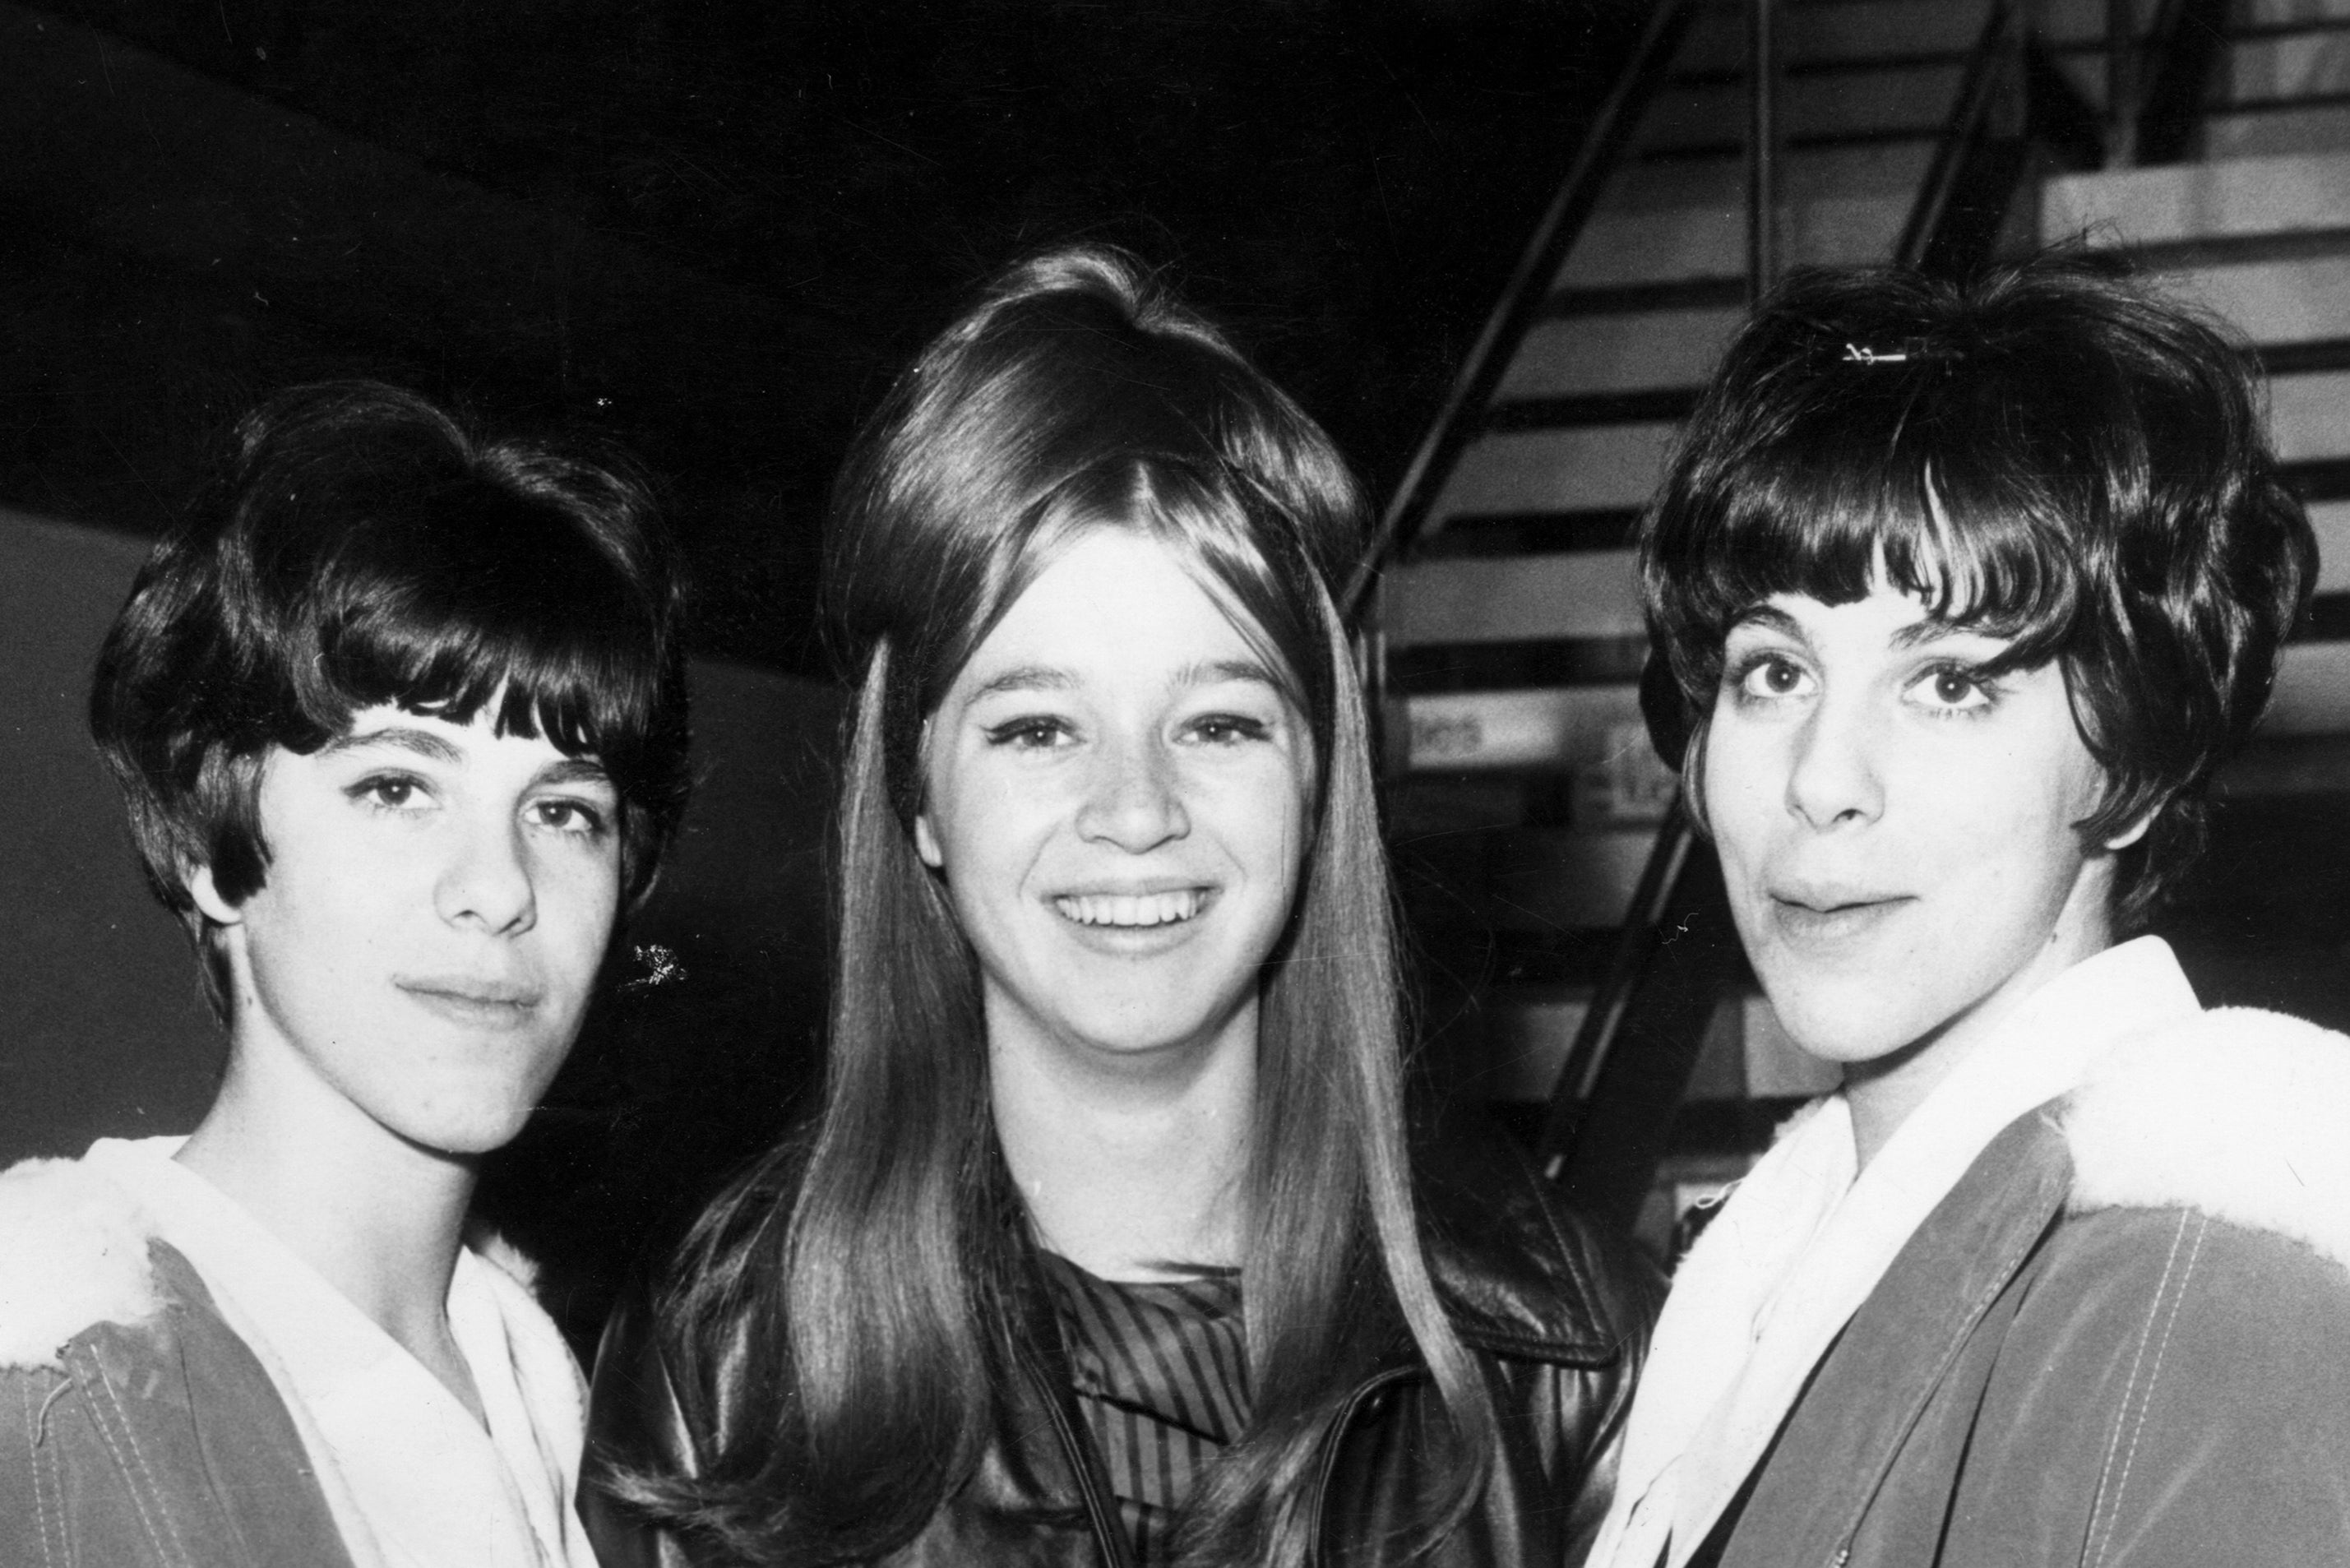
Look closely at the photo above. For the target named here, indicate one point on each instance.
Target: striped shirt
(1161, 1376)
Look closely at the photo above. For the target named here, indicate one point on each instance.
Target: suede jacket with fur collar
(137, 1429)
(2123, 1341)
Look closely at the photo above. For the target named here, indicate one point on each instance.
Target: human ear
(926, 838)
(206, 896)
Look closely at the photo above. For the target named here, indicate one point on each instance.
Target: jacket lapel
(1870, 1390)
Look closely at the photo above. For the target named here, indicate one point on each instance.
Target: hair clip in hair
(1856, 354)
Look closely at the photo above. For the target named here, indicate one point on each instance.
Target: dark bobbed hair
(855, 1303)
(358, 547)
(2057, 455)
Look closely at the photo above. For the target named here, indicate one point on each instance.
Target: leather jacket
(1555, 1318)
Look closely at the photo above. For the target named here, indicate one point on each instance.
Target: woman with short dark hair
(400, 716)
(1965, 592)
(1105, 1246)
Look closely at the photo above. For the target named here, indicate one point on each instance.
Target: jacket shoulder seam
(115, 1430)
(2169, 1299)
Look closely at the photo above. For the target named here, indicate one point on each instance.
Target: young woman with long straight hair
(1105, 1246)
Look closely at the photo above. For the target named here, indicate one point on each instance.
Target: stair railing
(1762, 75)
(2174, 74)
(1993, 69)
(1521, 302)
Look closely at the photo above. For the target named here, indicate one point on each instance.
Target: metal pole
(2121, 85)
(1763, 146)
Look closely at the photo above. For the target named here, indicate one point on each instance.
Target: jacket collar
(1867, 1396)
(1516, 1272)
(73, 1254)
(2235, 1113)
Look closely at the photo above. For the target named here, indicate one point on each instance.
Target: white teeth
(1130, 908)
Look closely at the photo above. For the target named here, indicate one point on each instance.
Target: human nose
(487, 880)
(1835, 777)
(1133, 800)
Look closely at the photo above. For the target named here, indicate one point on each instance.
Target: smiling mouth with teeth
(1131, 908)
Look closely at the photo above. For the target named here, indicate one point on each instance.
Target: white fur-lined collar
(73, 1253)
(2238, 1114)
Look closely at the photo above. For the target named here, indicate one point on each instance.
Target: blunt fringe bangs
(357, 548)
(868, 1343)
(2051, 453)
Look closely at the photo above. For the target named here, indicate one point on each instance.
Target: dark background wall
(712, 228)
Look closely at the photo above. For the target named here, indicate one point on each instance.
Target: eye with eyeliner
(1739, 676)
(391, 792)
(1029, 733)
(1229, 728)
(1969, 680)
(573, 817)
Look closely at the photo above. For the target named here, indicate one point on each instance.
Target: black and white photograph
(1177, 783)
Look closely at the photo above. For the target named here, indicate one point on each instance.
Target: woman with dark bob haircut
(400, 716)
(1104, 1247)
(1965, 591)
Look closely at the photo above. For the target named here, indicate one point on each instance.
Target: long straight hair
(849, 1312)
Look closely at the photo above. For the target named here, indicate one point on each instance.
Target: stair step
(2312, 695)
(2082, 22)
(2301, 193)
(2314, 63)
(1594, 468)
(1717, 179)
(2246, 14)
(1910, 99)
(2331, 521)
(1478, 599)
(2295, 62)
(2269, 132)
(1621, 351)
(2305, 300)
(2306, 415)
(1849, 30)
(1625, 247)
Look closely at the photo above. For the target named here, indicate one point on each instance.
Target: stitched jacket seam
(42, 1470)
(2105, 1516)
(146, 1496)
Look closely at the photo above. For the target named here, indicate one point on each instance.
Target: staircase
(1525, 799)
(2256, 226)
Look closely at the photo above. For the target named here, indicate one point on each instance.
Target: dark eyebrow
(1932, 630)
(423, 742)
(1770, 617)
(575, 770)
